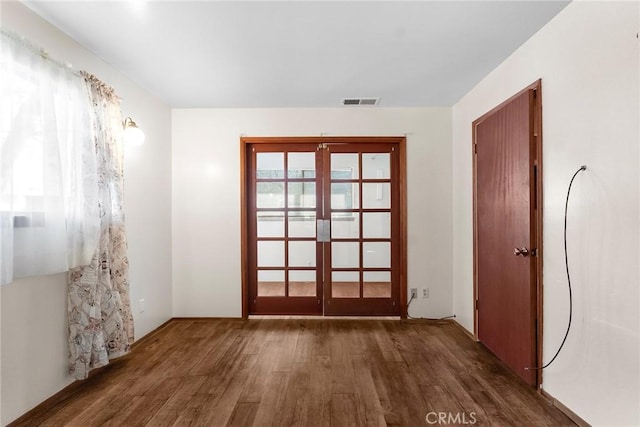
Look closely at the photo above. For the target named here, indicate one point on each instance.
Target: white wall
(206, 196)
(588, 59)
(34, 349)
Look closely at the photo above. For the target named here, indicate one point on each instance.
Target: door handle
(323, 230)
(523, 251)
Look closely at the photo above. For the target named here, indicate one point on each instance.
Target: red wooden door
(285, 202)
(505, 232)
(362, 256)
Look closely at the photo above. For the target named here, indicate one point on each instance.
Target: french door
(323, 226)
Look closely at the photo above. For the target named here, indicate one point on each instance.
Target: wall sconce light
(133, 135)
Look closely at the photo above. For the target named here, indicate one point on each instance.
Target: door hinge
(475, 148)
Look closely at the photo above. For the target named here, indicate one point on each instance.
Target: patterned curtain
(99, 307)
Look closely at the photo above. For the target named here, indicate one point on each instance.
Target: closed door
(323, 229)
(506, 230)
(361, 204)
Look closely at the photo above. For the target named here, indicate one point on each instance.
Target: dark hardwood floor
(305, 372)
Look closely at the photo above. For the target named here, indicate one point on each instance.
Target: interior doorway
(323, 223)
(507, 144)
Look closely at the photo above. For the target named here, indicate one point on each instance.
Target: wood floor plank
(266, 416)
(406, 396)
(319, 402)
(243, 414)
(227, 362)
(300, 372)
(219, 408)
(256, 385)
(101, 411)
(304, 346)
(294, 405)
(387, 346)
(344, 411)
(366, 394)
(255, 337)
(287, 344)
(209, 360)
(138, 413)
(178, 402)
(321, 342)
(342, 375)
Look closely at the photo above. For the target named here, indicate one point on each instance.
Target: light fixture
(133, 135)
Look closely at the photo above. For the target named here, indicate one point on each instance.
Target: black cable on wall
(566, 263)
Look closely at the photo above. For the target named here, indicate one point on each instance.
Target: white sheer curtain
(49, 219)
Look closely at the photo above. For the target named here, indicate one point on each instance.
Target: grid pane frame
(358, 212)
(304, 179)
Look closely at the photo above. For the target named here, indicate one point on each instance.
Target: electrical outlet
(425, 292)
(141, 306)
(414, 292)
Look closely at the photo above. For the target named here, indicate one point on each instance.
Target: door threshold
(279, 316)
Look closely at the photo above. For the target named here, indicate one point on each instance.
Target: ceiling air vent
(360, 101)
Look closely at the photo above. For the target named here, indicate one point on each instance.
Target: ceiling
(301, 53)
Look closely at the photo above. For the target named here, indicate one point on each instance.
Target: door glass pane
(376, 195)
(345, 284)
(302, 254)
(270, 195)
(269, 165)
(301, 165)
(302, 224)
(345, 225)
(344, 166)
(377, 284)
(376, 254)
(302, 283)
(271, 283)
(270, 224)
(270, 254)
(376, 225)
(345, 254)
(344, 196)
(285, 206)
(302, 195)
(375, 166)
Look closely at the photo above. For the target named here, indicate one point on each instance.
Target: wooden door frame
(246, 142)
(536, 214)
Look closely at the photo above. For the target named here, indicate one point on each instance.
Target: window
(48, 175)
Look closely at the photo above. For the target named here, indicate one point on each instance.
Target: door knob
(523, 251)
